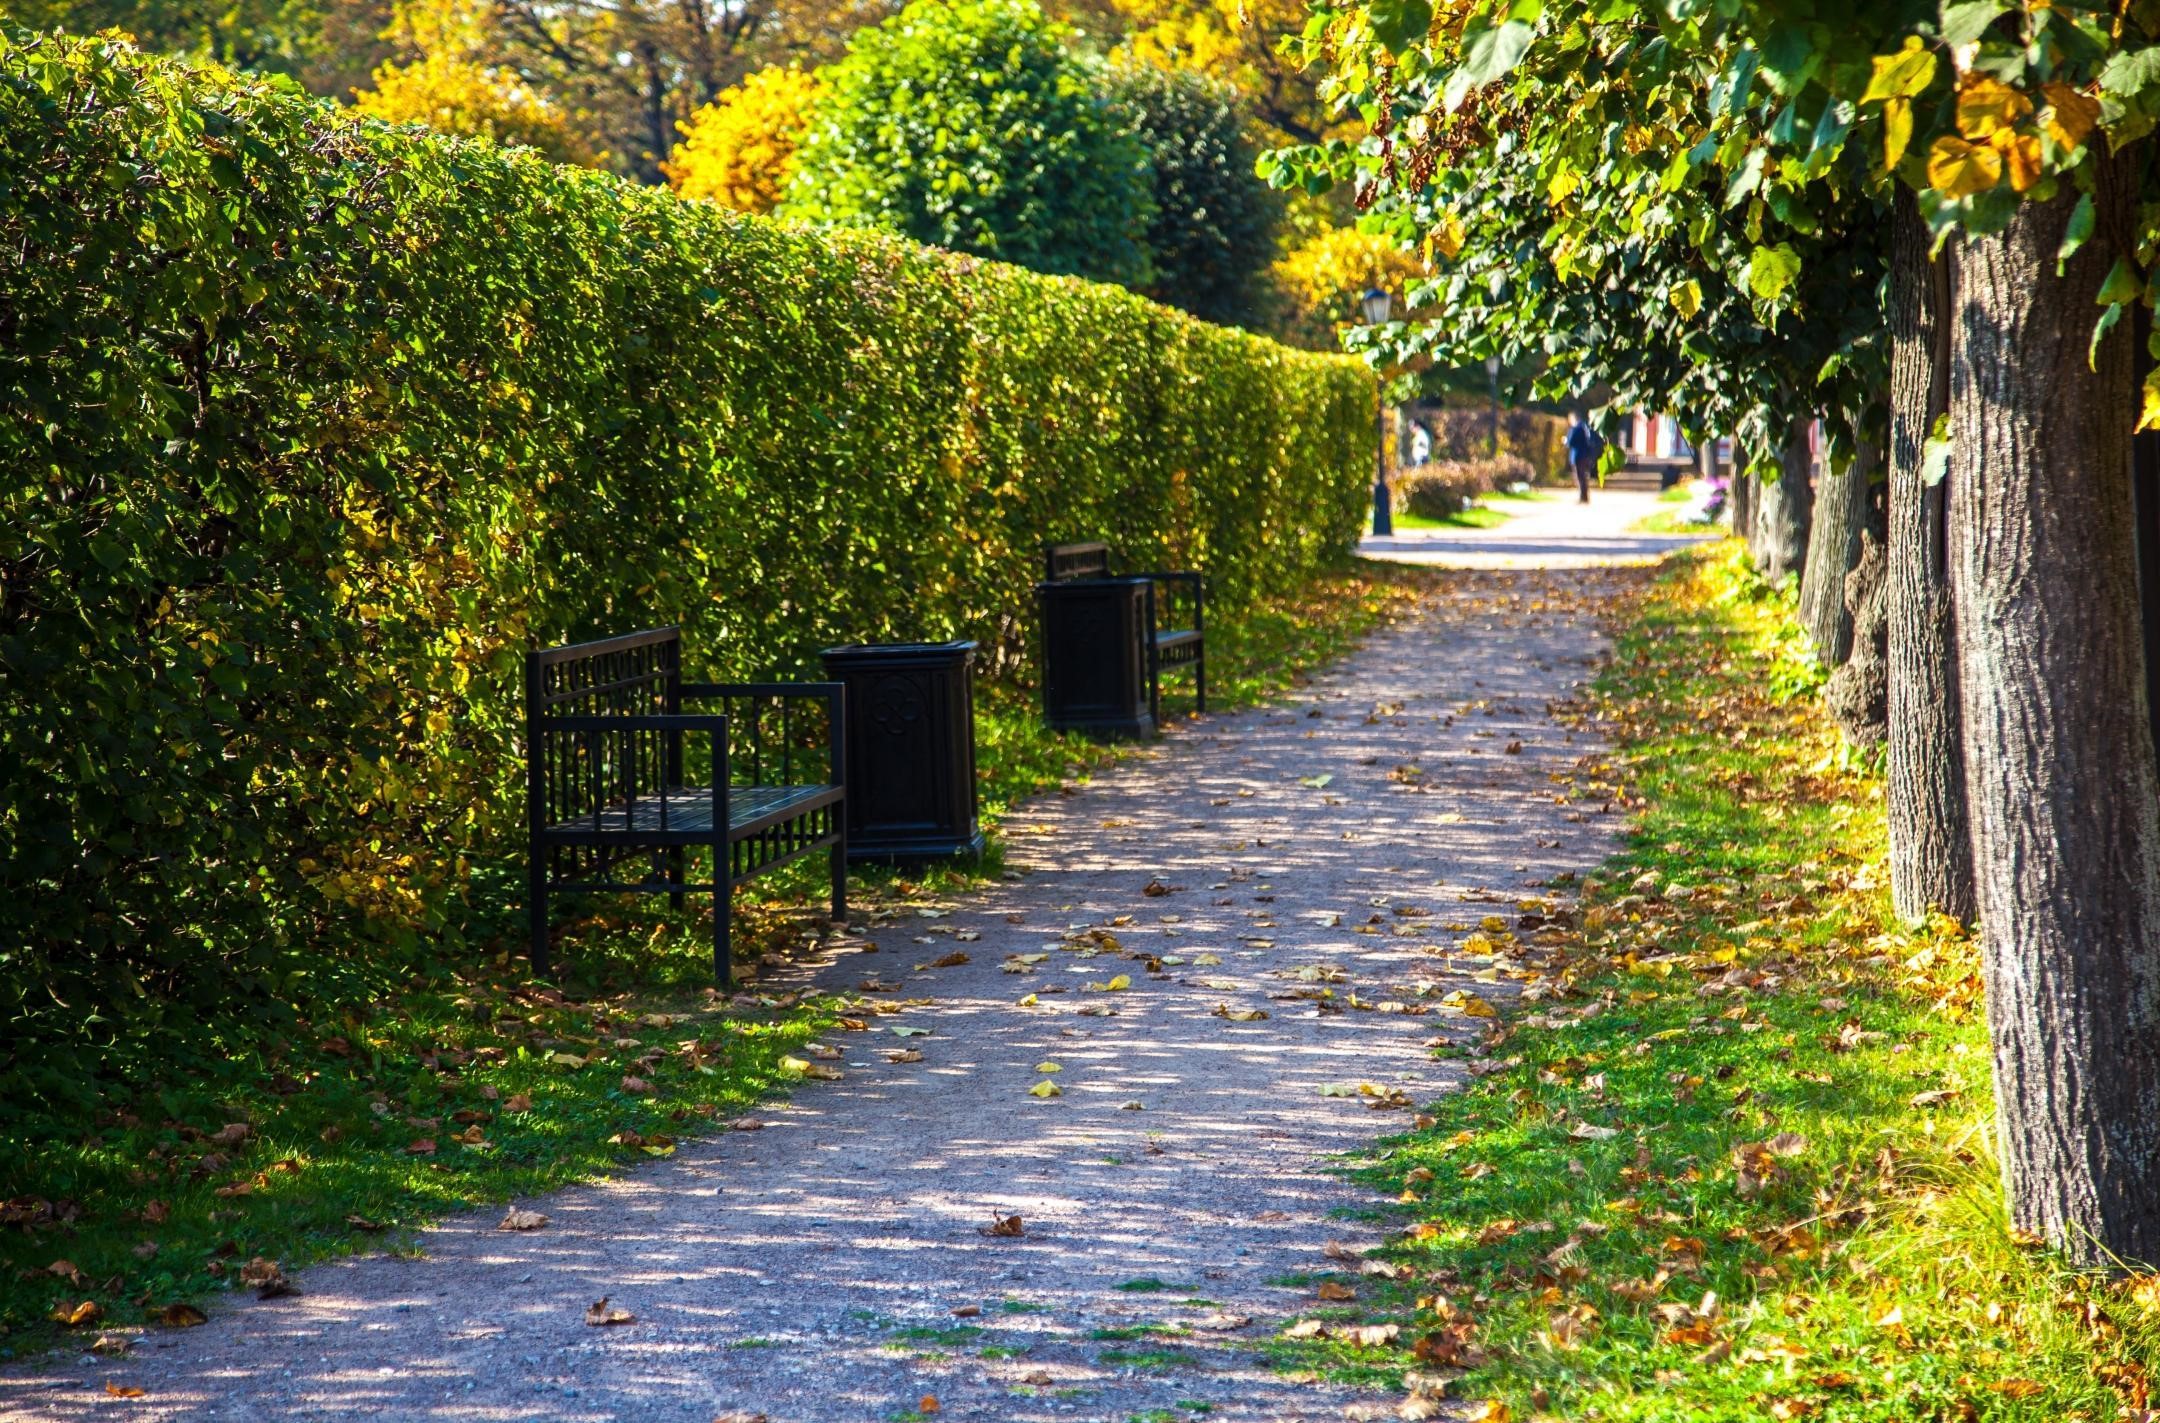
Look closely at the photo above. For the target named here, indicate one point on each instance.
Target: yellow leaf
(1958, 169)
(2149, 419)
(1045, 1088)
(1687, 300)
(1121, 983)
(1447, 237)
(1896, 131)
(1986, 105)
(1468, 1004)
(1901, 75)
(1049, 1067)
(2021, 156)
(2070, 116)
(1027, 1002)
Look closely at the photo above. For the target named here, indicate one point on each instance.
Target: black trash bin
(909, 762)
(1095, 667)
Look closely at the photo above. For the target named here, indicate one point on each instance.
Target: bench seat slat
(689, 812)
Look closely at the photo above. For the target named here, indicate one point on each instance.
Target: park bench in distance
(618, 772)
(1169, 594)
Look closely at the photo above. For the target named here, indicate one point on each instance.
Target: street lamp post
(1492, 379)
(1376, 304)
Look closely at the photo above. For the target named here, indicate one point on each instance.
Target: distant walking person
(1583, 449)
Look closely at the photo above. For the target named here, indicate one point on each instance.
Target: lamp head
(1377, 305)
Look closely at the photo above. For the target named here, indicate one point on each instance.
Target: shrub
(1324, 277)
(1447, 487)
(312, 426)
(739, 150)
(1464, 432)
(447, 87)
(1213, 234)
(976, 127)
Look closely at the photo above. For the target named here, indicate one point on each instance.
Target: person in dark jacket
(1583, 449)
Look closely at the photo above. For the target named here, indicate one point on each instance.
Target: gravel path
(1554, 533)
(1173, 1194)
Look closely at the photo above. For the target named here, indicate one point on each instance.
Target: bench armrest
(1193, 584)
(832, 694)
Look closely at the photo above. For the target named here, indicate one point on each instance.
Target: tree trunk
(1930, 833)
(1833, 550)
(1743, 500)
(1783, 507)
(1857, 695)
(2064, 792)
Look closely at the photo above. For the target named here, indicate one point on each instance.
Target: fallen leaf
(1045, 1088)
(928, 1404)
(266, 1278)
(965, 1311)
(1049, 1067)
(1319, 782)
(906, 1054)
(520, 1219)
(519, 1102)
(636, 1086)
(181, 1316)
(1239, 1015)
(905, 1032)
(425, 1146)
(232, 1134)
(600, 1315)
(1786, 1143)
(117, 1390)
(1004, 1226)
(361, 1222)
(81, 1313)
(1331, 1290)
(111, 1345)
(1468, 1004)
(952, 960)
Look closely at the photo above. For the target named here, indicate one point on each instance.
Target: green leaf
(1488, 54)
(1964, 24)
(2075, 232)
(2122, 283)
(1399, 24)
(1730, 94)
(1901, 75)
(1771, 271)
(2105, 324)
(2132, 71)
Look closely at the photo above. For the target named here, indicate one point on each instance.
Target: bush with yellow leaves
(739, 150)
(1324, 276)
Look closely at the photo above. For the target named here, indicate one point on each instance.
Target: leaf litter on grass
(1732, 1160)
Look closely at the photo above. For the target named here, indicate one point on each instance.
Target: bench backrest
(576, 772)
(1076, 561)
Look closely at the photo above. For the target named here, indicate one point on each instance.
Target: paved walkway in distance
(1319, 862)
(1557, 533)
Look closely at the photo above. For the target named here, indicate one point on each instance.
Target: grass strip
(1732, 1156)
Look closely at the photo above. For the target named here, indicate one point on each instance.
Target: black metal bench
(619, 772)
(1170, 594)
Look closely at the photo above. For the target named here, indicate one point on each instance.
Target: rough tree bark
(1783, 507)
(2064, 791)
(1742, 497)
(1930, 834)
(1842, 508)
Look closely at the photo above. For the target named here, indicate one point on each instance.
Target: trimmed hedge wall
(313, 425)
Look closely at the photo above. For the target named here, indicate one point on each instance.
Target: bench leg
(839, 875)
(723, 905)
(1199, 672)
(536, 900)
(675, 876)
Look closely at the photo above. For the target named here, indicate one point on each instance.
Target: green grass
(1477, 516)
(1147, 1359)
(144, 1206)
(1757, 1181)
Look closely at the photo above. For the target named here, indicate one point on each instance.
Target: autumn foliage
(739, 150)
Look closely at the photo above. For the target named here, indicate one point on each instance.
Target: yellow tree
(450, 89)
(1235, 40)
(739, 150)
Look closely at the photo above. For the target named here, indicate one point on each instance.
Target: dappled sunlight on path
(1319, 863)
(1557, 534)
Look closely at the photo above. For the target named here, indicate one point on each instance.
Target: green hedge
(311, 426)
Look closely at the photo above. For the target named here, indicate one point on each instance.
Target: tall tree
(2026, 128)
